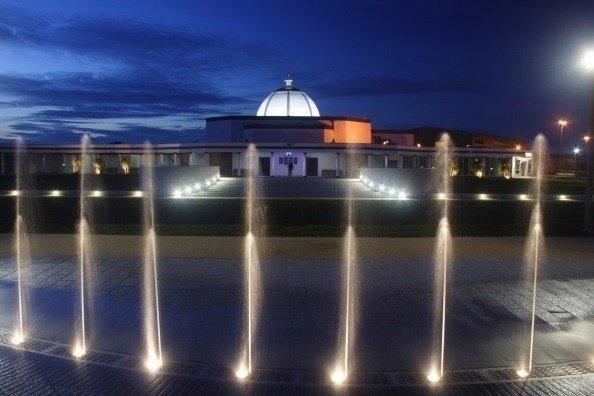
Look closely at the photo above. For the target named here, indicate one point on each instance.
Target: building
(428, 136)
(289, 129)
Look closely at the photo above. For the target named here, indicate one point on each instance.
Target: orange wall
(346, 131)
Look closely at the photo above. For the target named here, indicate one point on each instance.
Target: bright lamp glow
(17, 339)
(588, 60)
(433, 376)
(78, 351)
(392, 191)
(97, 193)
(15, 192)
(563, 197)
(338, 377)
(522, 373)
(242, 372)
(188, 189)
(402, 195)
(523, 197)
(197, 186)
(562, 122)
(382, 188)
(441, 196)
(177, 193)
(152, 364)
(576, 150)
(55, 193)
(483, 196)
(137, 193)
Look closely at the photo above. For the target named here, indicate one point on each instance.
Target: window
(287, 160)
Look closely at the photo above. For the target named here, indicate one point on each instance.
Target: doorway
(311, 166)
(264, 166)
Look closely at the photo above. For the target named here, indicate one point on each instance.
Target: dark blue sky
(155, 69)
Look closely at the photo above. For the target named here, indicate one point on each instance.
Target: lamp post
(562, 124)
(576, 151)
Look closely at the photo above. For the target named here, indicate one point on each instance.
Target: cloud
(153, 73)
(64, 132)
(108, 93)
(133, 44)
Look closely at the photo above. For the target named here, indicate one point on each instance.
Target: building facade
(288, 131)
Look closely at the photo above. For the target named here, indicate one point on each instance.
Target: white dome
(288, 101)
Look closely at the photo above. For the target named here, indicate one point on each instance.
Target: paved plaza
(488, 309)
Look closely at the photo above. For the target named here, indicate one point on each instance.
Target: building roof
(288, 101)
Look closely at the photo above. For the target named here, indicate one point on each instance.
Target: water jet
(534, 248)
(21, 245)
(152, 319)
(251, 266)
(442, 259)
(349, 299)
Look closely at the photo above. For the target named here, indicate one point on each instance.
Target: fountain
(534, 248)
(21, 245)
(442, 260)
(251, 266)
(152, 322)
(85, 256)
(349, 298)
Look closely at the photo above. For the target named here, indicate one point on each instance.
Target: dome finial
(288, 81)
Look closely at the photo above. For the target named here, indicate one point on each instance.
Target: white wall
(325, 161)
(283, 170)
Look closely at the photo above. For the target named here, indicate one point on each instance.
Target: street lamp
(588, 60)
(562, 124)
(576, 151)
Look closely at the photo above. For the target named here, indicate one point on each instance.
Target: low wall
(415, 182)
(168, 179)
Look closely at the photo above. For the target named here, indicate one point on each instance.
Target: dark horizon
(131, 72)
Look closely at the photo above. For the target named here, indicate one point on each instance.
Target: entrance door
(311, 166)
(264, 166)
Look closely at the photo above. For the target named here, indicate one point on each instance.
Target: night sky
(129, 71)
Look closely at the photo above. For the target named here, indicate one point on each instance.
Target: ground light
(382, 188)
(338, 376)
(433, 376)
(441, 195)
(523, 197)
(392, 191)
(137, 193)
(197, 186)
(15, 192)
(177, 193)
(152, 364)
(17, 338)
(97, 193)
(522, 373)
(563, 197)
(483, 196)
(402, 195)
(78, 351)
(242, 372)
(55, 193)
